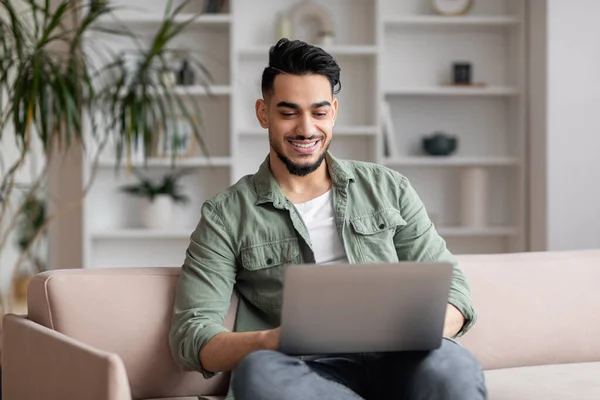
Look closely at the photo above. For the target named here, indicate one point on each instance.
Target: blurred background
(123, 117)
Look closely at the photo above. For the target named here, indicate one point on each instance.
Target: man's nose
(305, 126)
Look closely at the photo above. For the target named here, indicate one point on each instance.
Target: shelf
(167, 162)
(453, 91)
(198, 90)
(433, 21)
(352, 130)
(194, 90)
(452, 161)
(209, 20)
(341, 50)
(142, 233)
(472, 232)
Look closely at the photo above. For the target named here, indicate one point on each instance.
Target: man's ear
(262, 113)
(334, 108)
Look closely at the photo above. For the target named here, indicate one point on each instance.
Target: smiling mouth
(304, 145)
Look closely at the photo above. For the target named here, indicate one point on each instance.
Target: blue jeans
(447, 373)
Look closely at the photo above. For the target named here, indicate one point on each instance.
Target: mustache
(301, 137)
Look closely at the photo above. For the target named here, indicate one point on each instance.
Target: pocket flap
(378, 221)
(270, 254)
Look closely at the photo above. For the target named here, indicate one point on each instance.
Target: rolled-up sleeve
(419, 241)
(204, 290)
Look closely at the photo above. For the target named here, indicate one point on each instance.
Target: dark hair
(299, 58)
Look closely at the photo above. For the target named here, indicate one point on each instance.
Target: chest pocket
(263, 267)
(375, 234)
(270, 254)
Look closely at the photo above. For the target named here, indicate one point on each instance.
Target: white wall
(572, 140)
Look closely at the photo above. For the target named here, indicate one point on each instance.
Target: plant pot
(157, 214)
(20, 286)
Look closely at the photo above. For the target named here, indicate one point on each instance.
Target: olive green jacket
(250, 232)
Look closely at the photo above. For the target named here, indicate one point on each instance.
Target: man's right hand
(224, 351)
(271, 340)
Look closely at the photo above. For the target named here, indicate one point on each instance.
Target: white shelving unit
(428, 21)
(167, 162)
(339, 131)
(453, 91)
(395, 51)
(336, 51)
(451, 162)
(491, 231)
(417, 49)
(129, 18)
(113, 231)
(140, 234)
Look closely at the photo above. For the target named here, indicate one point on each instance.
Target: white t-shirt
(319, 219)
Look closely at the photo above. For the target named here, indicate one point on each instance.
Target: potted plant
(52, 86)
(30, 222)
(158, 196)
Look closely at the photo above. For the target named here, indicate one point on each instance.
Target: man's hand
(271, 339)
(454, 321)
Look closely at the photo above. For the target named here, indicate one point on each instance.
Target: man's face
(299, 116)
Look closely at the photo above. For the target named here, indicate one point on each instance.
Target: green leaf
(55, 21)
(50, 89)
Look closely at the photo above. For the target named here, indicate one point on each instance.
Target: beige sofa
(102, 334)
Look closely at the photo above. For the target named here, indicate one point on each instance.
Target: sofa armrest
(39, 363)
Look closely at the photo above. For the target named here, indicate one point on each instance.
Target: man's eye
(320, 114)
(287, 114)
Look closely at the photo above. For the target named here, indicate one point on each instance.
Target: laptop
(363, 308)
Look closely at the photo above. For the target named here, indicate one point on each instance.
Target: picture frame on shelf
(177, 141)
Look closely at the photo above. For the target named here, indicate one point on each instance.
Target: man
(305, 206)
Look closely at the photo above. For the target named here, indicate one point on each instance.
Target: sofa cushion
(534, 308)
(548, 382)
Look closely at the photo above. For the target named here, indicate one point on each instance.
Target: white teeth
(304, 146)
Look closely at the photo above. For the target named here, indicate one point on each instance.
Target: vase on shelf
(185, 75)
(283, 27)
(157, 213)
(474, 202)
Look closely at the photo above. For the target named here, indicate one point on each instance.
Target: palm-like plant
(51, 86)
(150, 189)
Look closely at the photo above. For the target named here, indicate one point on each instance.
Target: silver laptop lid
(355, 308)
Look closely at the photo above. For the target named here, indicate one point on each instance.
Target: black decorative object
(462, 73)
(440, 144)
(97, 5)
(213, 6)
(185, 75)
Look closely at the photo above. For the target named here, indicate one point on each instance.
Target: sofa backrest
(534, 308)
(125, 311)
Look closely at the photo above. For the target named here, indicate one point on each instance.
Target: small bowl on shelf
(440, 144)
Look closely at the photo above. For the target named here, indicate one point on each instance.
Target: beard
(299, 169)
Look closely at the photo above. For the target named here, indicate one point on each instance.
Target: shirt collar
(268, 190)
